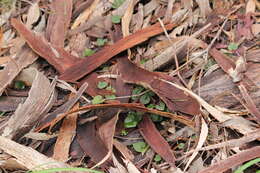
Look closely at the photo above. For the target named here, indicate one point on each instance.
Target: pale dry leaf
(119, 168)
(27, 75)
(32, 110)
(256, 29)
(131, 168)
(33, 15)
(85, 15)
(21, 60)
(126, 19)
(40, 136)
(202, 138)
(250, 6)
(204, 7)
(196, 166)
(26, 156)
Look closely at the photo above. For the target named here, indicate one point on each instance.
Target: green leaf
(132, 120)
(110, 97)
(156, 118)
(110, 88)
(116, 19)
(181, 145)
(117, 3)
(136, 91)
(123, 132)
(102, 84)
(88, 52)
(233, 46)
(20, 85)
(151, 106)
(151, 94)
(98, 99)
(143, 61)
(145, 99)
(140, 147)
(101, 41)
(160, 106)
(157, 158)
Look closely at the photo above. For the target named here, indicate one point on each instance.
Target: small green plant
(110, 88)
(160, 106)
(102, 84)
(181, 145)
(116, 19)
(233, 46)
(110, 97)
(117, 3)
(156, 118)
(132, 119)
(88, 52)
(123, 132)
(20, 85)
(98, 99)
(101, 42)
(136, 91)
(140, 147)
(145, 99)
(157, 158)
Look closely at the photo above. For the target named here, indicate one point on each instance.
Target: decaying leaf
(32, 110)
(176, 100)
(23, 58)
(155, 140)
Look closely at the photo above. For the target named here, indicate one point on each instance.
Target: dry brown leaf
(245, 128)
(24, 58)
(106, 133)
(66, 134)
(59, 21)
(26, 156)
(85, 15)
(153, 137)
(34, 107)
(203, 136)
(233, 161)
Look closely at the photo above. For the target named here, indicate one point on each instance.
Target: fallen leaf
(153, 137)
(203, 136)
(24, 58)
(32, 110)
(233, 161)
(59, 21)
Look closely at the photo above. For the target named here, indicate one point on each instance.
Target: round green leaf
(145, 99)
(157, 158)
(19, 85)
(160, 106)
(116, 19)
(98, 99)
(140, 147)
(102, 84)
(88, 52)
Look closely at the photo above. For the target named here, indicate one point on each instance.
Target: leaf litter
(187, 71)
